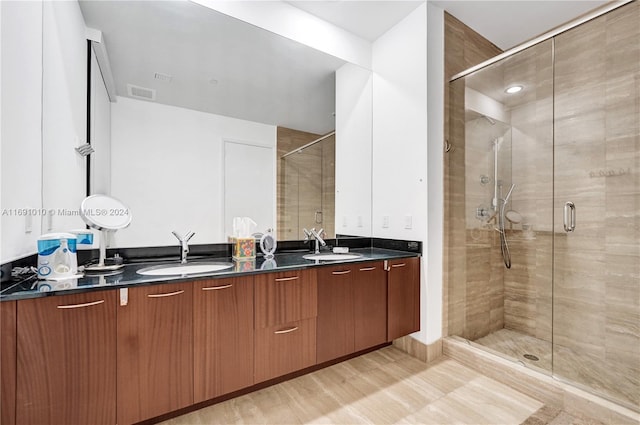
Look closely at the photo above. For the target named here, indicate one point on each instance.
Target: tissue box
(243, 248)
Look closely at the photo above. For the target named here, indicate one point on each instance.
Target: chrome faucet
(184, 245)
(316, 236)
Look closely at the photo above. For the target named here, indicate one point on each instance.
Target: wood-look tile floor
(382, 387)
(616, 380)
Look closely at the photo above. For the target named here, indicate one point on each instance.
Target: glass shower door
(500, 207)
(596, 295)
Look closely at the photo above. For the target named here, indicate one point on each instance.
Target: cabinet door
(67, 359)
(8, 362)
(403, 279)
(335, 312)
(222, 336)
(285, 297)
(285, 348)
(155, 351)
(369, 305)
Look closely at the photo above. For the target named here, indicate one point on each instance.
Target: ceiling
(366, 19)
(224, 66)
(505, 23)
(217, 64)
(509, 23)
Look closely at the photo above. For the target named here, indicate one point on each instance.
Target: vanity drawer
(285, 297)
(284, 349)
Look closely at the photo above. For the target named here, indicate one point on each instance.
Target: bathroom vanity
(147, 346)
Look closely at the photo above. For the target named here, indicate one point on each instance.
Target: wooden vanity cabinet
(352, 309)
(223, 349)
(403, 279)
(66, 359)
(369, 305)
(335, 312)
(155, 351)
(285, 322)
(8, 363)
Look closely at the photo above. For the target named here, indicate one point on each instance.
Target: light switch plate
(408, 222)
(28, 223)
(385, 221)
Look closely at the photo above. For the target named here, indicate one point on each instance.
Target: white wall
(404, 149)
(432, 305)
(353, 150)
(166, 166)
(64, 106)
(20, 126)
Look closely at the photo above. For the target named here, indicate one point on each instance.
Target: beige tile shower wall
(597, 267)
(329, 185)
(306, 184)
(463, 49)
(287, 203)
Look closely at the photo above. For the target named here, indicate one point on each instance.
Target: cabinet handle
(398, 265)
(81, 305)
(285, 279)
(215, 288)
(342, 272)
(170, 294)
(367, 269)
(286, 331)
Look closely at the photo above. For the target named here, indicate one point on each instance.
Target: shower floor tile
(618, 381)
(516, 344)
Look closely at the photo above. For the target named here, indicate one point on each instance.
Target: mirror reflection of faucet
(184, 244)
(317, 236)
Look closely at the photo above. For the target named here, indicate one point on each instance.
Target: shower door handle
(569, 217)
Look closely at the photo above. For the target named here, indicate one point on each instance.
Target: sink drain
(531, 357)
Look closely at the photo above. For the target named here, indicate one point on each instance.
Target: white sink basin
(183, 269)
(331, 257)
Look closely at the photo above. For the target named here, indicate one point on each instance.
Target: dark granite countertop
(128, 276)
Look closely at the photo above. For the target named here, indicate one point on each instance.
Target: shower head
(491, 120)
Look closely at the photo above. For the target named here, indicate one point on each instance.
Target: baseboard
(542, 387)
(419, 350)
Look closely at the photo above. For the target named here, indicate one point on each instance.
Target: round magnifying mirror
(103, 212)
(106, 214)
(268, 245)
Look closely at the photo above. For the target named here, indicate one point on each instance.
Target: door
(369, 305)
(596, 262)
(335, 312)
(8, 363)
(249, 185)
(222, 336)
(66, 350)
(155, 351)
(403, 282)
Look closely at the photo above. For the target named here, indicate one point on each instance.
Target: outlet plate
(408, 222)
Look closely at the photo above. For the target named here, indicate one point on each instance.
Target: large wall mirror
(210, 117)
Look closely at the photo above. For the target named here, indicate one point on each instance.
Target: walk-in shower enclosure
(569, 141)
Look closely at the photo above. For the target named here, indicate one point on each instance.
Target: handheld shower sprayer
(506, 198)
(504, 246)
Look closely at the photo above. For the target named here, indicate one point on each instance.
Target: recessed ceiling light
(513, 89)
